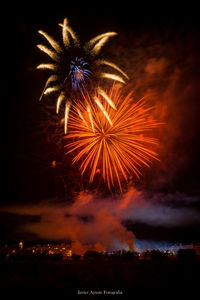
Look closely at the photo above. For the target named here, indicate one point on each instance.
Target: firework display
(115, 150)
(100, 150)
(108, 133)
(77, 69)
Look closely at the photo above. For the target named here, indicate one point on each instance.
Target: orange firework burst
(115, 149)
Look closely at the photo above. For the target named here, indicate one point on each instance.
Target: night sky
(158, 47)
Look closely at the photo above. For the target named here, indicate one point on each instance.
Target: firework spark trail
(105, 96)
(50, 79)
(51, 89)
(67, 109)
(47, 66)
(49, 52)
(51, 41)
(59, 101)
(100, 40)
(105, 62)
(75, 73)
(118, 151)
(113, 77)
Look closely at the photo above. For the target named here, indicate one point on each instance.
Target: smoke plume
(98, 222)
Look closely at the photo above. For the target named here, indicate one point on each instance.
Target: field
(94, 276)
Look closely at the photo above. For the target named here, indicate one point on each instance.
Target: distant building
(50, 249)
(21, 245)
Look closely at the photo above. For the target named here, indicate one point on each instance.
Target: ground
(129, 275)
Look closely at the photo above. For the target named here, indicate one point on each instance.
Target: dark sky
(159, 48)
